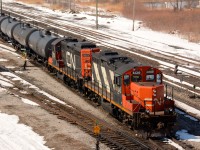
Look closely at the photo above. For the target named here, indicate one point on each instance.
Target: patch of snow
(10, 75)
(9, 1)
(10, 67)
(187, 108)
(179, 112)
(19, 72)
(1, 59)
(178, 81)
(8, 49)
(27, 101)
(172, 83)
(191, 118)
(173, 144)
(4, 79)
(23, 92)
(186, 115)
(184, 135)
(2, 90)
(51, 97)
(5, 84)
(29, 85)
(163, 66)
(15, 136)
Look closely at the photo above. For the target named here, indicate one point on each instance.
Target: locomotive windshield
(150, 75)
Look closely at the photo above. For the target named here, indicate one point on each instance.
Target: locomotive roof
(125, 67)
(64, 39)
(116, 62)
(81, 45)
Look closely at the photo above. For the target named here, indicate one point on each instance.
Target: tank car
(40, 43)
(7, 27)
(2, 18)
(21, 34)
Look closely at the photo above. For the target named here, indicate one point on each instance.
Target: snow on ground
(1, 59)
(8, 49)
(121, 28)
(184, 135)
(117, 26)
(187, 108)
(27, 101)
(173, 79)
(5, 82)
(14, 77)
(2, 90)
(23, 92)
(183, 113)
(15, 136)
(10, 67)
(173, 144)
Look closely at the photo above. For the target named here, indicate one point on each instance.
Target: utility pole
(133, 15)
(70, 6)
(97, 26)
(1, 7)
(74, 5)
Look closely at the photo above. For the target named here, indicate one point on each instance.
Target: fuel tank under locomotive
(21, 33)
(40, 43)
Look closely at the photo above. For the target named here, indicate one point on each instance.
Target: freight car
(131, 92)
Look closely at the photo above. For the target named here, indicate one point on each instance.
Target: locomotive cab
(143, 90)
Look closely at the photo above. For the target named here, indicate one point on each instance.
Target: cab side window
(159, 78)
(126, 79)
(117, 80)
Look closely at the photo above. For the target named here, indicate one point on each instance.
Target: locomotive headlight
(154, 92)
(147, 111)
(170, 109)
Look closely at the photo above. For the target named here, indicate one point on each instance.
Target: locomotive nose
(151, 95)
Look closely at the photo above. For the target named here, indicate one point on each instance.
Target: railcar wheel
(99, 101)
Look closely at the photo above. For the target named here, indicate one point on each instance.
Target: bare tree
(190, 3)
(176, 4)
